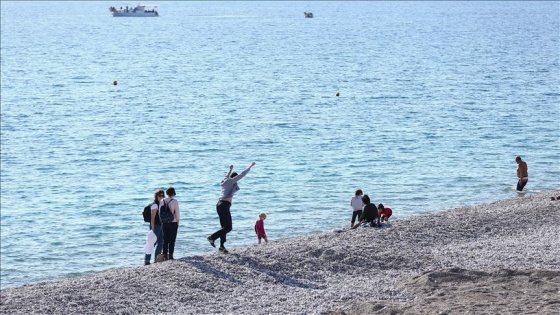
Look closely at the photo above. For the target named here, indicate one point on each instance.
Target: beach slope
(496, 258)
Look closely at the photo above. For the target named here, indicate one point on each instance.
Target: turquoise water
(436, 100)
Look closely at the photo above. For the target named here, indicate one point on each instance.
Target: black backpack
(147, 213)
(165, 214)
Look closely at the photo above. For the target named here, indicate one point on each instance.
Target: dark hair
(380, 206)
(233, 175)
(156, 194)
(365, 199)
(359, 192)
(170, 191)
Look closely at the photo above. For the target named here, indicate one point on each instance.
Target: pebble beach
(497, 258)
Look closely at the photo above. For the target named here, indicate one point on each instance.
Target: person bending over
(384, 213)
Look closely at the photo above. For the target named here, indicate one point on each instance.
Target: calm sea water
(436, 100)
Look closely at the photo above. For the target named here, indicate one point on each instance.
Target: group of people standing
(366, 212)
(163, 234)
(166, 232)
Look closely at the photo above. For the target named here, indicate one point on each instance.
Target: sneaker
(211, 241)
(223, 250)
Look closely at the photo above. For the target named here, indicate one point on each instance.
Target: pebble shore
(496, 258)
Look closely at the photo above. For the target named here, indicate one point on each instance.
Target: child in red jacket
(384, 213)
(259, 228)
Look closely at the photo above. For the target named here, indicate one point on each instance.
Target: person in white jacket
(356, 204)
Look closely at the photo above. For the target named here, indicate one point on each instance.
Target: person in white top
(170, 228)
(356, 204)
(155, 225)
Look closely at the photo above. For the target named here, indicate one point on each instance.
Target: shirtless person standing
(522, 173)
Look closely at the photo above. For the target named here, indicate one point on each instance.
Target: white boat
(141, 10)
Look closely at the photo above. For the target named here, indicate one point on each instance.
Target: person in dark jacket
(369, 215)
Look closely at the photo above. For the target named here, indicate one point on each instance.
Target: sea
(422, 105)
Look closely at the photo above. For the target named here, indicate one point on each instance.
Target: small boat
(308, 15)
(141, 10)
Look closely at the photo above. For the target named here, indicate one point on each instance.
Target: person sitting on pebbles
(369, 214)
(384, 213)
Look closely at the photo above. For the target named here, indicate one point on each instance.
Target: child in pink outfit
(259, 228)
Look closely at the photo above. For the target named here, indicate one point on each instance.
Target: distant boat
(308, 14)
(141, 10)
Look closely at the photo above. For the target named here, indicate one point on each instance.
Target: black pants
(225, 221)
(169, 237)
(521, 185)
(356, 214)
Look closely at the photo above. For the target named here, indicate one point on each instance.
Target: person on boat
(522, 173)
(229, 188)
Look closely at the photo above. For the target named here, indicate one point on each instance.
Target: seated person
(384, 213)
(369, 214)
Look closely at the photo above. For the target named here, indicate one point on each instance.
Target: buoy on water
(115, 82)
(337, 93)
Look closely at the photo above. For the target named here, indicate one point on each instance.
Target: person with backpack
(155, 224)
(229, 188)
(169, 216)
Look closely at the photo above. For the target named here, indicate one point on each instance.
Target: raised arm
(229, 172)
(240, 176)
